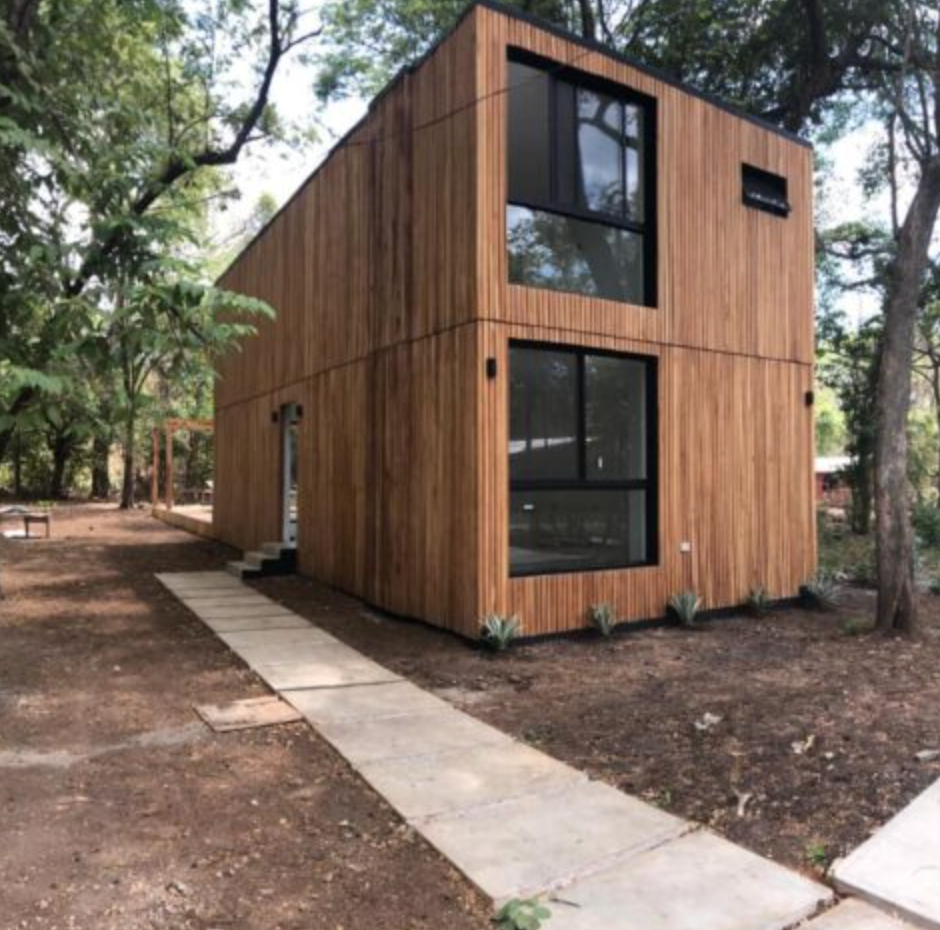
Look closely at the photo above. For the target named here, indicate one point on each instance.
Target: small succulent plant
(685, 606)
(499, 632)
(821, 592)
(604, 618)
(758, 600)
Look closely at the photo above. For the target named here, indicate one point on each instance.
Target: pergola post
(155, 473)
(169, 467)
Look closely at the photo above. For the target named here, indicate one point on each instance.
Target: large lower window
(582, 440)
(580, 184)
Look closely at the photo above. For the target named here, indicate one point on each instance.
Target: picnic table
(29, 518)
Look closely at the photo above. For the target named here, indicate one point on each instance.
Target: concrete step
(242, 570)
(258, 559)
(278, 548)
(898, 869)
(855, 914)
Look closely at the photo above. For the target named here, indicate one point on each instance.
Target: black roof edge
(565, 34)
(649, 70)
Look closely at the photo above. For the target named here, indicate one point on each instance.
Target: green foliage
(116, 120)
(830, 422)
(519, 914)
(858, 626)
(926, 519)
(817, 855)
(848, 366)
(820, 592)
(758, 600)
(604, 618)
(499, 632)
(685, 607)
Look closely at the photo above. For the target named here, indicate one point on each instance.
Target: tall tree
(910, 94)
(116, 120)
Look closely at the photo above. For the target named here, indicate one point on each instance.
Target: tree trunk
(127, 486)
(860, 485)
(18, 467)
(61, 453)
(100, 477)
(897, 604)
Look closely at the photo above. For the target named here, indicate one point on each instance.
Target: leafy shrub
(499, 632)
(758, 600)
(862, 573)
(858, 626)
(521, 915)
(685, 606)
(926, 520)
(603, 618)
(820, 592)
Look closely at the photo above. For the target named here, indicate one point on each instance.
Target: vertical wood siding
(389, 274)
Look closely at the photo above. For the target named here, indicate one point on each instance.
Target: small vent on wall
(764, 191)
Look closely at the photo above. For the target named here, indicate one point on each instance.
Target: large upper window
(581, 460)
(579, 216)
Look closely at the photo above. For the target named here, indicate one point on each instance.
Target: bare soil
(818, 732)
(120, 810)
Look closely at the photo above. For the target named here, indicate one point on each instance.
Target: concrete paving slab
(234, 610)
(855, 914)
(300, 635)
(191, 576)
(334, 705)
(900, 865)
(236, 599)
(542, 841)
(248, 714)
(188, 582)
(243, 624)
(419, 787)
(205, 593)
(267, 656)
(696, 882)
(331, 667)
(372, 740)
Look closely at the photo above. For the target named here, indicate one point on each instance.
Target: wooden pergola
(170, 427)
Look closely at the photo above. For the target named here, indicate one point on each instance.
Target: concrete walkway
(899, 867)
(516, 822)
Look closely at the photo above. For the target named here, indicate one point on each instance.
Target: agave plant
(685, 606)
(821, 592)
(758, 600)
(603, 617)
(499, 632)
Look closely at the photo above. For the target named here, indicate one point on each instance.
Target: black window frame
(649, 485)
(647, 230)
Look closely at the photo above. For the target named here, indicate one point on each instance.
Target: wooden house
(544, 339)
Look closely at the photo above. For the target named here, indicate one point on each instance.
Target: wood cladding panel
(246, 499)
(346, 263)
(735, 480)
(425, 562)
(388, 272)
(729, 278)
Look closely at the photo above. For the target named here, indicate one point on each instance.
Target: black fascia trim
(649, 70)
(538, 23)
(650, 485)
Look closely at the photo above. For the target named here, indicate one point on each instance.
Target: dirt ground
(119, 810)
(819, 730)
